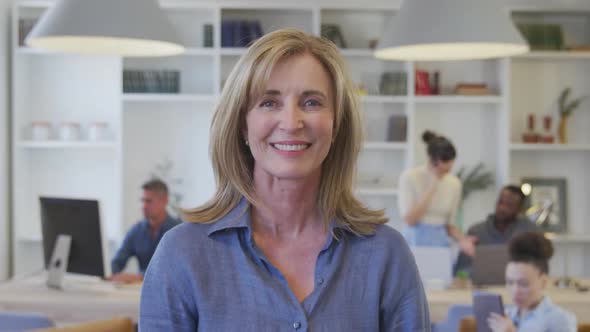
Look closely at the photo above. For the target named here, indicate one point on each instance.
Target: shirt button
(320, 281)
(297, 325)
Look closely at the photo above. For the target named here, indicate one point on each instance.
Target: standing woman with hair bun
(429, 198)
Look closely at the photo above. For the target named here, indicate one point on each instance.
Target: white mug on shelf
(40, 130)
(69, 131)
(97, 131)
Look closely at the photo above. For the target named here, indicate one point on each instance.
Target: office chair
(23, 321)
(454, 316)
(111, 325)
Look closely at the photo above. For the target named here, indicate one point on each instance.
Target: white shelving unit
(383, 146)
(65, 145)
(536, 80)
(555, 55)
(168, 97)
(549, 147)
(148, 129)
(450, 99)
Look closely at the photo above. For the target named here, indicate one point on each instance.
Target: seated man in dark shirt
(143, 238)
(501, 226)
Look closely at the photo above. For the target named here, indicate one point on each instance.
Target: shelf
(198, 51)
(454, 99)
(167, 97)
(36, 239)
(357, 52)
(34, 51)
(549, 147)
(554, 55)
(384, 99)
(234, 51)
(568, 238)
(385, 146)
(377, 191)
(65, 145)
(35, 4)
(209, 51)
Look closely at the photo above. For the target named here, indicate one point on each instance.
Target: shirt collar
(168, 220)
(239, 217)
(492, 226)
(545, 305)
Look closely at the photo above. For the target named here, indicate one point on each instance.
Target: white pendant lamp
(437, 30)
(133, 28)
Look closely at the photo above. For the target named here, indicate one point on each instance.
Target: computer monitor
(434, 265)
(489, 265)
(80, 220)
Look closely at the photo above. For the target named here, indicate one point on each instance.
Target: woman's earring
(247, 143)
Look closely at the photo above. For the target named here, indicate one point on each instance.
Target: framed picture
(547, 202)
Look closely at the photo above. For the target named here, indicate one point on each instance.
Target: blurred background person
(429, 198)
(527, 278)
(143, 238)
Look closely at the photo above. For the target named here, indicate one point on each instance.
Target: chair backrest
(454, 316)
(467, 324)
(111, 325)
(23, 321)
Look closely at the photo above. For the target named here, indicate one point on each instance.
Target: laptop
(489, 265)
(435, 265)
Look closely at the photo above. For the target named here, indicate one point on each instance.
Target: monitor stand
(58, 265)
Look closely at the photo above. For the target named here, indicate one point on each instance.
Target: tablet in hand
(484, 303)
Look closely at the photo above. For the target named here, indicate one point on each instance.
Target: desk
(86, 301)
(439, 301)
(82, 300)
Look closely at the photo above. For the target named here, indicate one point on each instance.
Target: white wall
(4, 153)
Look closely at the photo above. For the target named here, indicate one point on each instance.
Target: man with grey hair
(143, 238)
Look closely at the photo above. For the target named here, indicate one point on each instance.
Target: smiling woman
(284, 244)
(290, 128)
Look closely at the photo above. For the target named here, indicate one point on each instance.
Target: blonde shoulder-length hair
(231, 157)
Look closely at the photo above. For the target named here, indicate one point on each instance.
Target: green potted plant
(566, 107)
(472, 180)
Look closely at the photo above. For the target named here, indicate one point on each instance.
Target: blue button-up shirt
(212, 277)
(139, 243)
(546, 317)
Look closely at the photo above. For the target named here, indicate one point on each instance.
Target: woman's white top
(442, 209)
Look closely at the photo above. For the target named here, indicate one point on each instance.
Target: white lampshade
(133, 28)
(435, 30)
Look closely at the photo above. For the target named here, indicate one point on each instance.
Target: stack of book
(542, 36)
(393, 83)
(472, 89)
(151, 81)
(333, 33)
(397, 128)
(239, 33)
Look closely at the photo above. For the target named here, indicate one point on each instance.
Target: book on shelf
(239, 33)
(397, 128)
(423, 83)
(393, 83)
(542, 36)
(578, 48)
(151, 81)
(472, 89)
